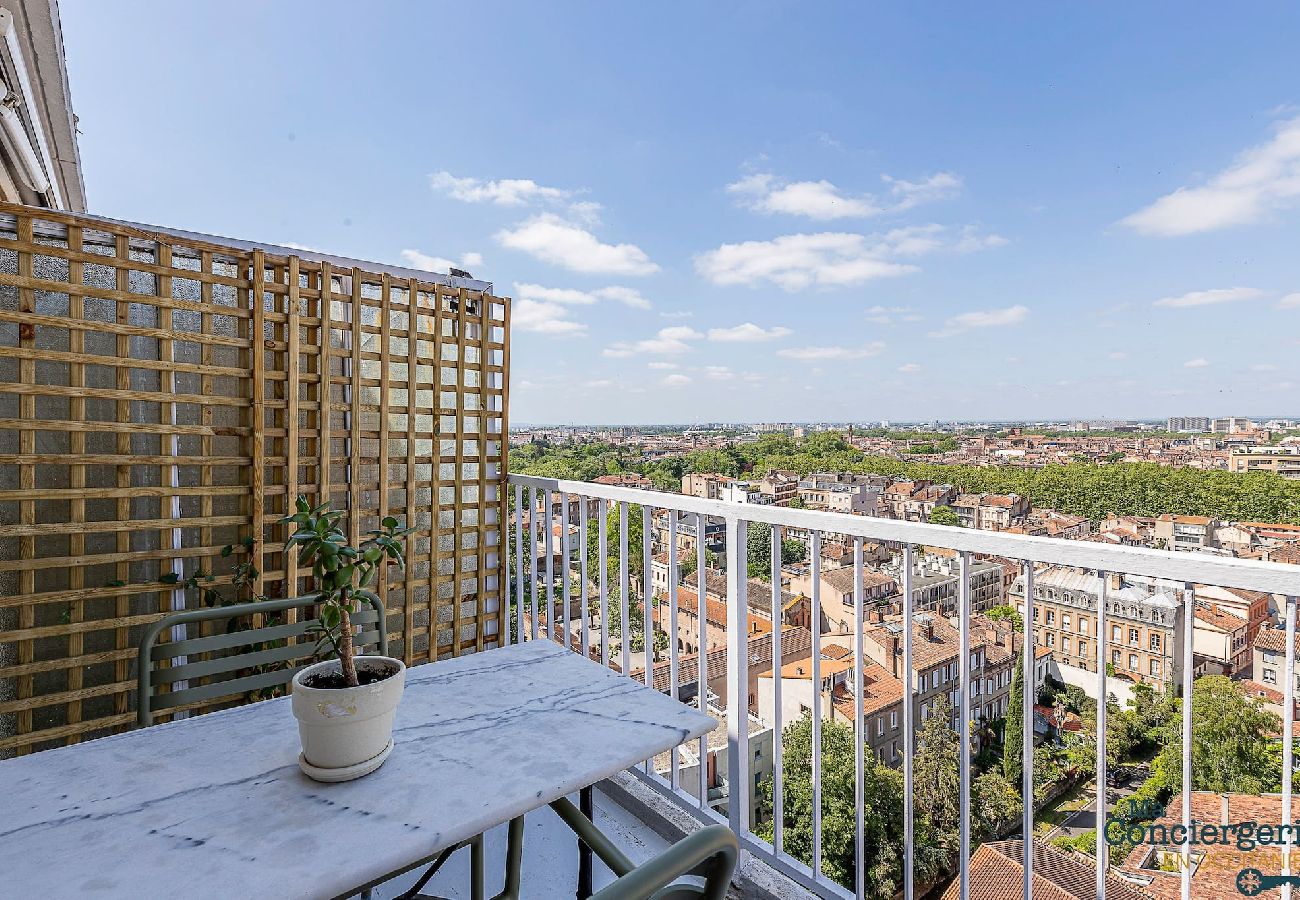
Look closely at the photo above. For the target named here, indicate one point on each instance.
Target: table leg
(584, 849)
(514, 860)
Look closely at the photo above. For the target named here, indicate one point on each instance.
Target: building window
(1115, 634)
(1270, 676)
(1114, 657)
(1051, 617)
(1133, 636)
(1083, 649)
(1083, 625)
(1065, 621)
(893, 720)
(1155, 667)
(1051, 638)
(1155, 642)
(1132, 662)
(1065, 644)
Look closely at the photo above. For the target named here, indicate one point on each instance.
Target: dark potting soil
(335, 681)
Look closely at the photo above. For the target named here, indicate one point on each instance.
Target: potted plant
(345, 705)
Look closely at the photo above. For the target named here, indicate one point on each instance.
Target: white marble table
(215, 806)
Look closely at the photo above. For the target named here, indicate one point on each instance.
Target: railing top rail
(1273, 578)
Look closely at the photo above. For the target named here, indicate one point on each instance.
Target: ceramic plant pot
(347, 732)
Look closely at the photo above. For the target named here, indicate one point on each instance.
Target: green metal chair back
(267, 656)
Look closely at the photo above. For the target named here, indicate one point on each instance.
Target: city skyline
(976, 215)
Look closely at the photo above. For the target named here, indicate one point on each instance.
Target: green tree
(943, 515)
(1014, 740)
(1232, 740)
(995, 803)
(882, 812)
(936, 787)
(1006, 613)
(758, 544)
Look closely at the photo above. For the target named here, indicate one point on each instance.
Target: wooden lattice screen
(163, 396)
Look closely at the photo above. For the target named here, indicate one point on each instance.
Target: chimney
(1227, 820)
(927, 630)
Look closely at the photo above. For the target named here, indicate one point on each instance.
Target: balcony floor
(550, 868)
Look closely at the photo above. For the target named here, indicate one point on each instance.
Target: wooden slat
(175, 395)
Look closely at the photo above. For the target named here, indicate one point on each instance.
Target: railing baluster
(603, 561)
(702, 656)
(519, 564)
(909, 726)
(737, 678)
(534, 523)
(778, 778)
(550, 569)
(1103, 849)
(1189, 629)
(562, 620)
(647, 596)
(582, 572)
(816, 702)
(1029, 688)
(1288, 740)
(859, 728)
(673, 674)
(624, 592)
(964, 718)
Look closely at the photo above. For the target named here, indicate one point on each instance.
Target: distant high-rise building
(1231, 425)
(1188, 423)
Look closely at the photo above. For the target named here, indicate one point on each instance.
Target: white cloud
(1209, 298)
(832, 353)
(932, 187)
(1199, 363)
(429, 263)
(545, 318)
(504, 192)
(667, 341)
(676, 380)
(823, 201)
(1263, 367)
(663, 365)
(797, 261)
(677, 314)
(984, 318)
(598, 383)
(1118, 354)
(909, 368)
(887, 315)
(1262, 179)
(554, 240)
(586, 211)
(1290, 301)
(719, 373)
(826, 259)
(625, 295)
(748, 333)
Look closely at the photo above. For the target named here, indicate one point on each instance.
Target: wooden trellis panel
(162, 396)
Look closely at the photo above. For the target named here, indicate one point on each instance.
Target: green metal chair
(709, 853)
(232, 652)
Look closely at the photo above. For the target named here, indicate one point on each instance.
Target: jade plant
(344, 575)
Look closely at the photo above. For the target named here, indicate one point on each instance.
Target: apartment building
(1188, 423)
(1256, 607)
(936, 578)
(836, 593)
(913, 501)
(1282, 460)
(857, 495)
(707, 485)
(1144, 624)
(780, 485)
(1219, 643)
(1231, 425)
(882, 712)
(990, 512)
(1174, 532)
(936, 649)
(1268, 659)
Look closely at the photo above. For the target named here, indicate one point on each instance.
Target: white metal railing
(1189, 569)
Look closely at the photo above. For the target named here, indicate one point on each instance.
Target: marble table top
(215, 806)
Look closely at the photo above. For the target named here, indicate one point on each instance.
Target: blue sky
(757, 211)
